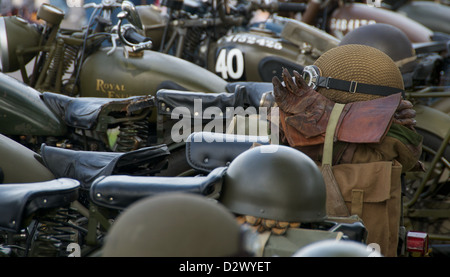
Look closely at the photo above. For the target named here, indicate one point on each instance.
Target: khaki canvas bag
(370, 190)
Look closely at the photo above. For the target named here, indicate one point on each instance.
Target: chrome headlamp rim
(4, 51)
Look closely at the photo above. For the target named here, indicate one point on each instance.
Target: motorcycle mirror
(132, 14)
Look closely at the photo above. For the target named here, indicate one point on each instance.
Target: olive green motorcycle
(100, 60)
(61, 203)
(109, 66)
(52, 206)
(229, 41)
(260, 53)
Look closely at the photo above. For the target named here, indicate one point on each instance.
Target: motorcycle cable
(83, 48)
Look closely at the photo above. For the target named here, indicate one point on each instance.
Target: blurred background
(75, 17)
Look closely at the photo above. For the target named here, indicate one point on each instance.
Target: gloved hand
(405, 114)
(306, 110)
(304, 114)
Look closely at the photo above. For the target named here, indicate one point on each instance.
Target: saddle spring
(63, 58)
(54, 233)
(133, 135)
(192, 40)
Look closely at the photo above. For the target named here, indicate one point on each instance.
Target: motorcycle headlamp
(16, 34)
(312, 76)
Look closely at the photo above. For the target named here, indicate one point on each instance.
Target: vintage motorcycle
(217, 37)
(242, 50)
(339, 18)
(52, 209)
(116, 81)
(241, 55)
(432, 14)
(66, 210)
(86, 123)
(105, 61)
(423, 207)
(436, 135)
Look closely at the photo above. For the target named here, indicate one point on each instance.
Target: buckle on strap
(324, 82)
(353, 86)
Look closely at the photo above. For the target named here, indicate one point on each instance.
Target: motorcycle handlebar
(131, 35)
(276, 6)
(291, 7)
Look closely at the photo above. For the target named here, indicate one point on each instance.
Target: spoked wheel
(427, 194)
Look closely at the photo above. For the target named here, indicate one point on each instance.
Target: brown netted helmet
(358, 63)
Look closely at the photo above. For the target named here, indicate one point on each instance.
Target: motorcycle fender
(432, 120)
(431, 14)
(353, 15)
(118, 76)
(20, 165)
(22, 111)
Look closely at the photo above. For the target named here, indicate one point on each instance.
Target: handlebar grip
(291, 7)
(133, 36)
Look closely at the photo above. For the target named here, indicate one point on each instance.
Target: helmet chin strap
(404, 61)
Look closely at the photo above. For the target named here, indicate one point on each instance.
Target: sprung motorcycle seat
(240, 97)
(120, 191)
(86, 166)
(168, 100)
(253, 90)
(18, 201)
(82, 112)
(206, 151)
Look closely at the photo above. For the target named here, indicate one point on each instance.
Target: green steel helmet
(388, 39)
(334, 248)
(275, 182)
(175, 225)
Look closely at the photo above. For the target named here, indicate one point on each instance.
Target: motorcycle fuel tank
(253, 56)
(22, 111)
(353, 15)
(117, 76)
(19, 164)
(259, 55)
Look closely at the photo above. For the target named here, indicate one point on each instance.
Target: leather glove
(304, 114)
(295, 97)
(405, 114)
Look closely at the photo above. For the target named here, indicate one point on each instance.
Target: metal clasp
(353, 86)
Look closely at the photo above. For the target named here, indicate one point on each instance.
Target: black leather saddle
(82, 112)
(120, 191)
(86, 166)
(19, 201)
(206, 151)
(240, 94)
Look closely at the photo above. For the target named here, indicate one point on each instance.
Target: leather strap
(357, 202)
(262, 239)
